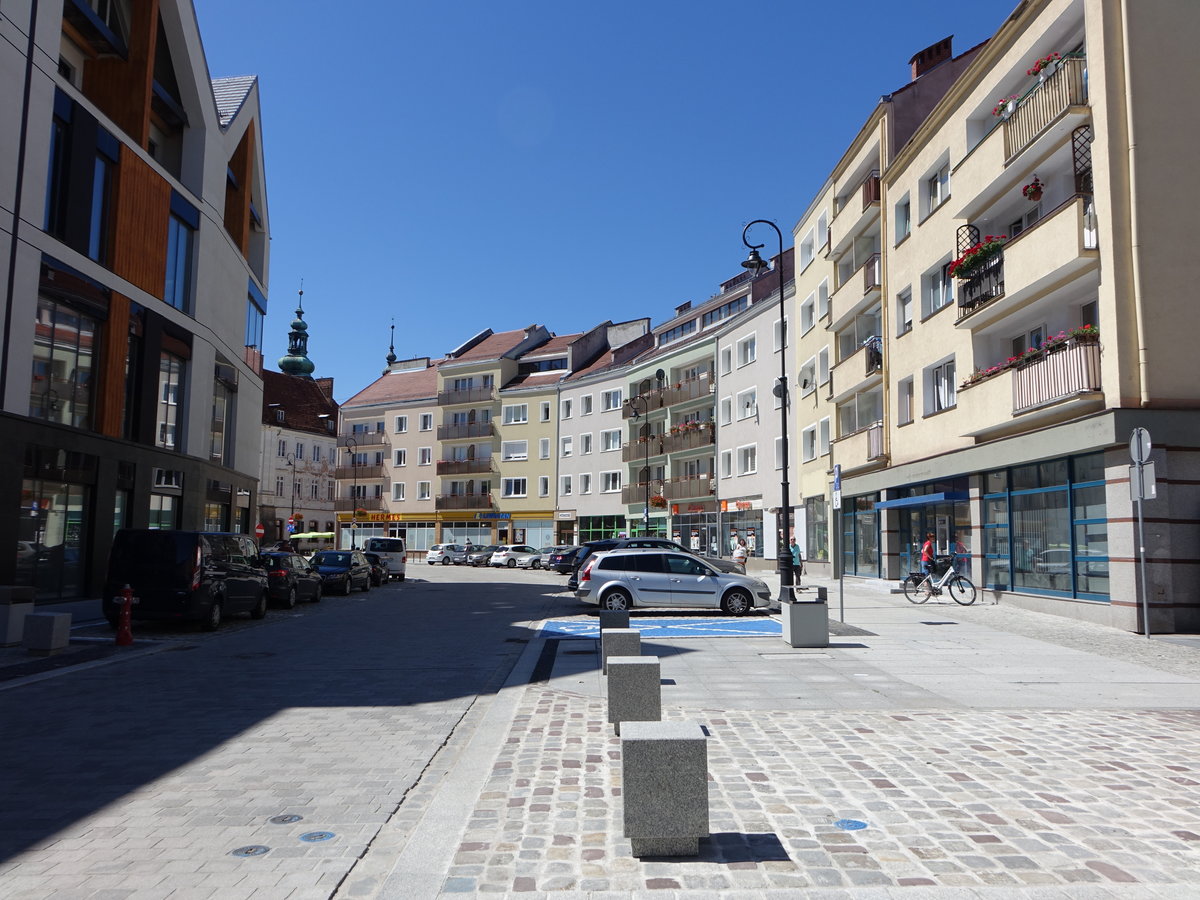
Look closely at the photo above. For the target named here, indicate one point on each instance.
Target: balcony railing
(463, 501)
(870, 190)
(1047, 101)
(690, 439)
(654, 400)
(362, 473)
(464, 466)
(688, 487)
(1072, 369)
(369, 504)
(875, 441)
(463, 432)
(871, 279)
(686, 391)
(466, 395)
(983, 286)
(364, 439)
(636, 450)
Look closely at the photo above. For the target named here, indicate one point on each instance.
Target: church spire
(391, 357)
(297, 362)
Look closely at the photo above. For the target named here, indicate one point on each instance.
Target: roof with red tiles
(403, 386)
(302, 400)
(493, 346)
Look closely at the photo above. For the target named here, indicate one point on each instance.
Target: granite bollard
(619, 642)
(47, 633)
(15, 604)
(664, 774)
(614, 618)
(634, 690)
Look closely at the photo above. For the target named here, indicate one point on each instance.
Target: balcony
(1056, 376)
(861, 450)
(459, 432)
(654, 400)
(853, 295)
(689, 487)
(687, 391)
(859, 371)
(1055, 251)
(464, 466)
(1045, 104)
(367, 504)
(466, 395)
(361, 473)
(364, 439)
(637, 450)
(690, 439)
(463, 501)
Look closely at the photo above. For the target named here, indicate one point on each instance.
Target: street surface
(437, 744)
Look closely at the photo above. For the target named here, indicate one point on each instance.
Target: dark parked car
(185, 576)
(480, 556)
(637, 543)
(290, 577)
(562, 560)
(379, 569)
(343, 570)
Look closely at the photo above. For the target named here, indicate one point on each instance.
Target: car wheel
(346, 587)
(445, 560)
(737, 603)
(366, 584)
(512, 563)
(213, 621)
(260, 610)
(536, 564)
(316, 597)
(616, 599)
(290, 602)
(400, 578)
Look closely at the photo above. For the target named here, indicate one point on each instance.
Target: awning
(924, 500)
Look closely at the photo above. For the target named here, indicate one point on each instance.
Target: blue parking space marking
(670, 628)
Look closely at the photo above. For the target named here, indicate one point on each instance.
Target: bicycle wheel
(916, 589)
(962, 590)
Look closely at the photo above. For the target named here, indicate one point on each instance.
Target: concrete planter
(806, 624)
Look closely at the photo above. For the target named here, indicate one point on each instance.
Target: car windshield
(332, 559)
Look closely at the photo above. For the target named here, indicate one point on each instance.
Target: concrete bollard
(614, 618)
(619, 642)
(15, 604)
(634, 690)
(47, 633)
(664, 775)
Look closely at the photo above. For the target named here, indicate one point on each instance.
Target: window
(904, 320)
(747, 459)
(808, 443)
(726, 410)
(278, 485)
(808, 376)
(610, 482)
(316, 453)
(544, 448)
(543, 485)
(585, 483)
(1029, 340)
(517, 414)
(726, 463)
(397, 490)
(566, 409)
(255, 317)
(170, 387)
(938, 289)
(610, 400)
(823, 437)
(904, 401)
(1089, 313)
(747, 350)
(401, 458)
(425, 422)
(545, 411)
(903, 219)
(564, 485)
(177, 288)
(424, 490)
(514, 450)
(512, 487)
(1027, 220)
(937, 188)
(780, 334)
(724, 311)
(823, 299)
(424, 456)
(299, 450)
(674, 334)
(565, 447)
(585, 444)
(823, 366)
(281, 448)
(610, 440)
(747, 403)
(941, 387)
(807, 250)
(726, 360)
(401, 424)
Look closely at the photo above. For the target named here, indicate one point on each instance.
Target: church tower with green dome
(297, 362)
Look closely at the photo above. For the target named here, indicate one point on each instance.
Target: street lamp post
(756, 264)
(352, 447)
(291, 461)
(646, 468)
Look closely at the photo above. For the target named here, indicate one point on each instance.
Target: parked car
(627, 578)
(342, 570)
(480, 556)
(446, 554)
(393, 551)
(513, 555)
(185, 576)
(291, 578)
(379, 569)
(1058, 562)
(590, 547)
(562, 560)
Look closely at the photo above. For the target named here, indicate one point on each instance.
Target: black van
(185, 575)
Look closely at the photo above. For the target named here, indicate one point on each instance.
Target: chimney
(683, 307)
(326, 387)
(931, 56)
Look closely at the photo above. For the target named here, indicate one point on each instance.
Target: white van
(391, 549)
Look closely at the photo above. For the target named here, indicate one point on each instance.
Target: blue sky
(457, 166)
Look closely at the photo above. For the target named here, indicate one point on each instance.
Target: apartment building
(134, 267)
(1032, 313)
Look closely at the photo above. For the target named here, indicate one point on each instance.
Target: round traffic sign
(1139, 445)
(259, 530)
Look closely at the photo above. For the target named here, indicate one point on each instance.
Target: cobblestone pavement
(964, 800)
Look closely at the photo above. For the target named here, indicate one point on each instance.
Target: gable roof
(230, 95)
(403, 386)
(302, 400)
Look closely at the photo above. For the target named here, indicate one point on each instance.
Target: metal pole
(1142, 556)
(291, 461)
(352, 446)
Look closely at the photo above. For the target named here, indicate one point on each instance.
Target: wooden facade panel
(237, 199)
(110, 389)
(122, 87)
(141, 211)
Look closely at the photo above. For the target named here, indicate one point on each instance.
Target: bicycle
(919, 587)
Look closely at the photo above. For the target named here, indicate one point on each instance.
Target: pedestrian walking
(797, 562)
(739, 555)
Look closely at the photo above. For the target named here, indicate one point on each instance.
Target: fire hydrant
(125, 618)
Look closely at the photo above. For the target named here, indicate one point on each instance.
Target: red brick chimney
(931, 56)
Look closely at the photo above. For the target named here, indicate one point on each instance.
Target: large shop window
(860, 536)
(52, 523)
(64, 344)
(816, 527)
(598, 528)
(1046, 529)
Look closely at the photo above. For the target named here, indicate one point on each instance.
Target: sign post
(259, 531)
(1141, 487)
(840, 562)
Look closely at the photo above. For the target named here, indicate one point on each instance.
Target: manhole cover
(251, 850)
(284, 820)
(849, 824)
(313, 837)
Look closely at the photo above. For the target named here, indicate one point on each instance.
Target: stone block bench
(614, 618)
(47, 633)
(664, 774)
(634, 690)
(619, 642)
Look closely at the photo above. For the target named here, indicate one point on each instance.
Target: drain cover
(284, 820)
(313, 837)
(850, 824)
(251, 850)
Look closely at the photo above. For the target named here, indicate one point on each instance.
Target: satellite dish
(660, 375)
